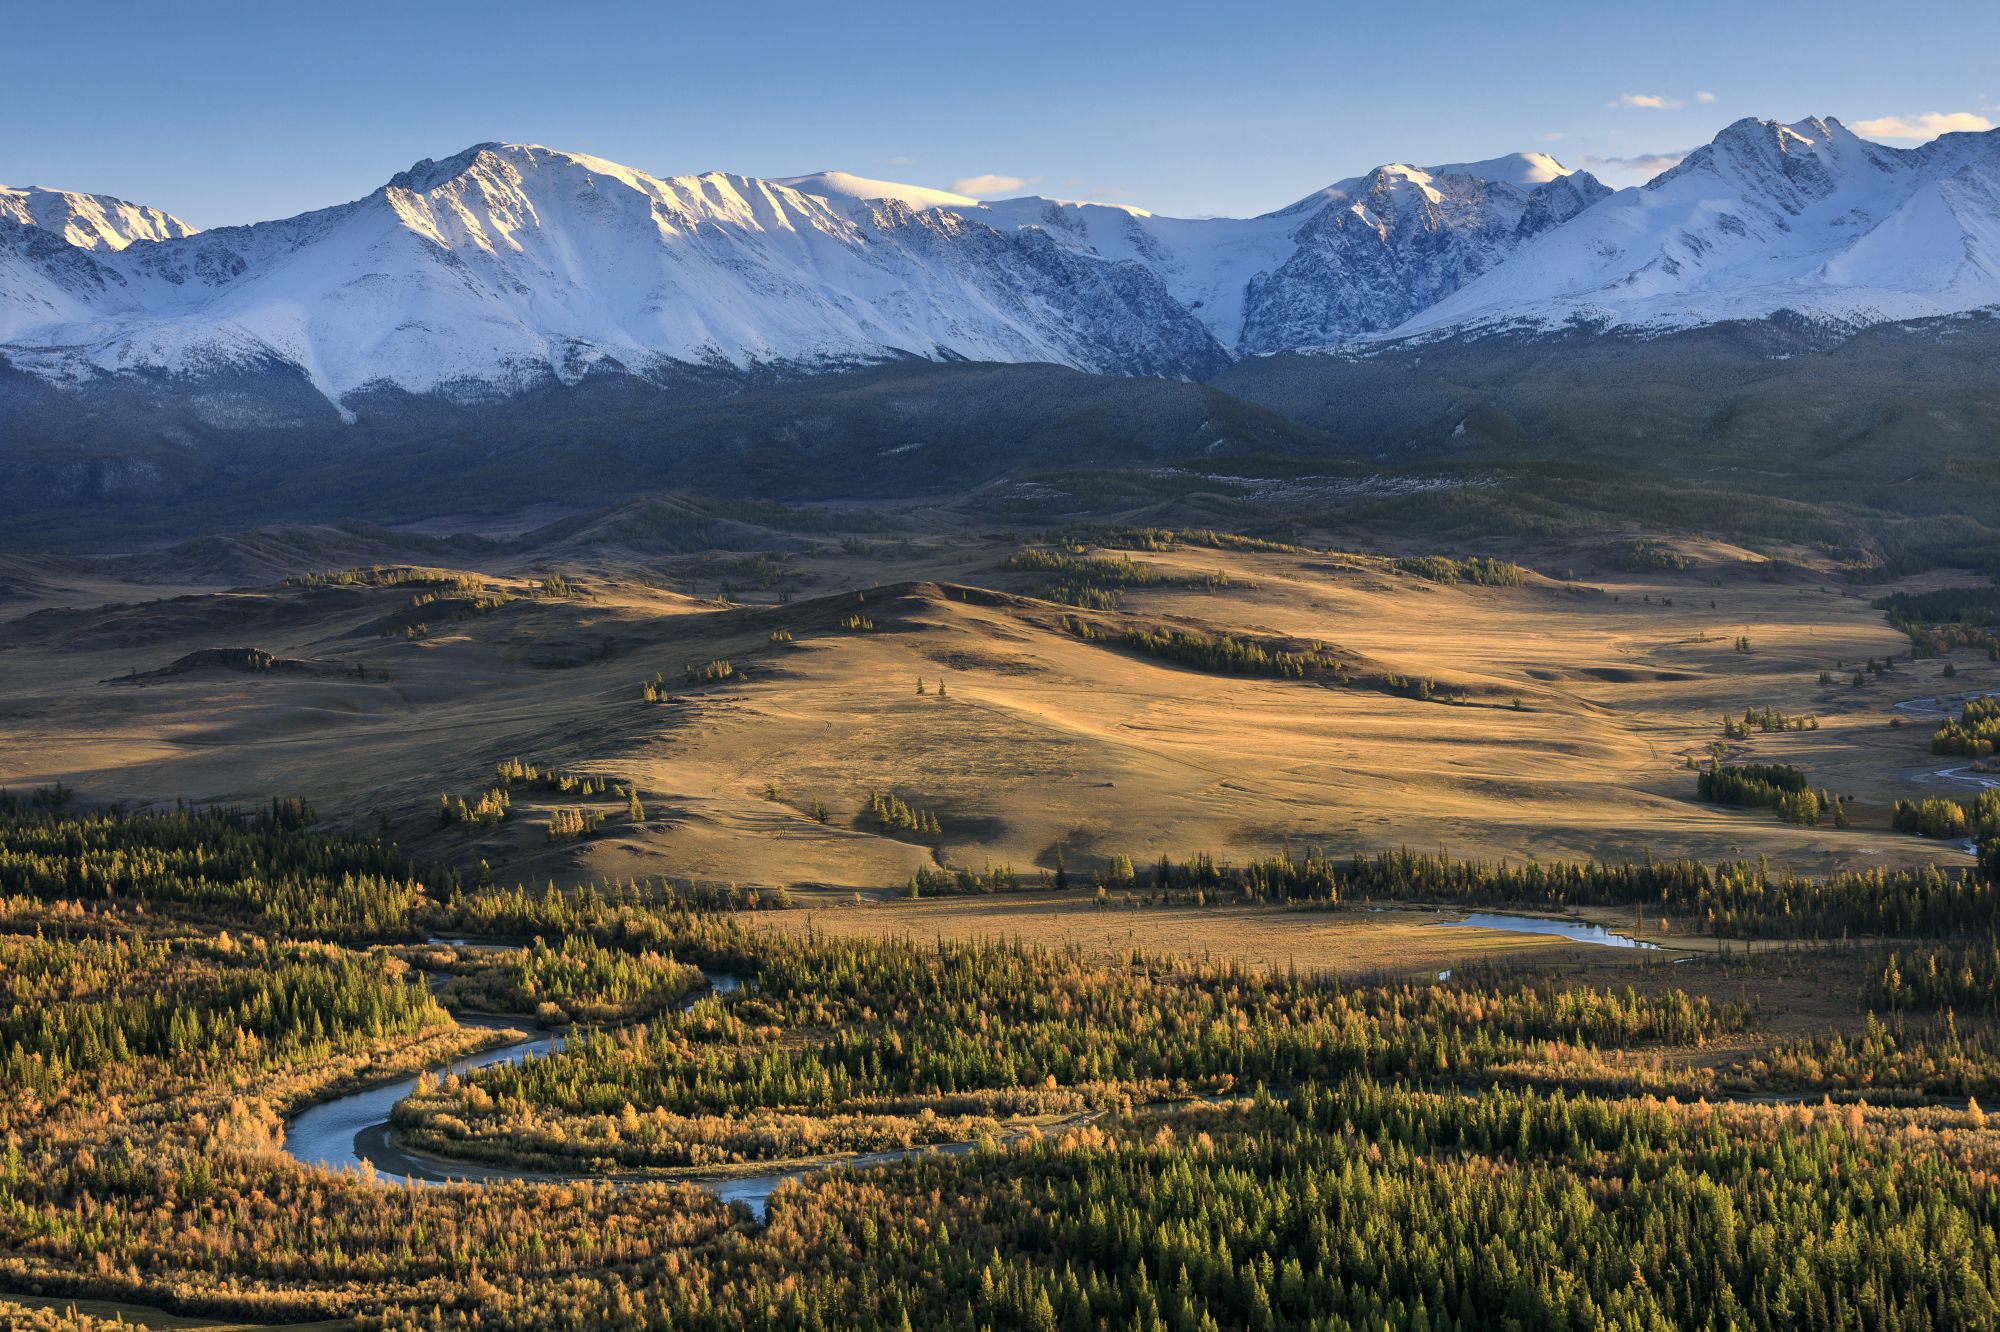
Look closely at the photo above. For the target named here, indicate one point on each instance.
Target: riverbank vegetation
(1932, 816)
(575, 980)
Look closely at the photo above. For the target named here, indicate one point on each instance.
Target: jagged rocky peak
(1371, 252)
(1552, 204)
(431, 173)
(1794, 164)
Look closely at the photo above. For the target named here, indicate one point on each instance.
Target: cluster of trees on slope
(389, 575)
(577, 979)
(1167, 538)
(894, 815)
(1766, 719)
(1482, 570)
(1776, 786)
(1095, 581)
(489, 808)
(1936, 817)
(131, 997)
(1217, 652)
(1229, 654)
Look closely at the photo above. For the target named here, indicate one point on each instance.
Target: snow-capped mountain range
(511, 266)
(1806, 217)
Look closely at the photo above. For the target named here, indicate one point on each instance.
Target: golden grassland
(1352, 942)
(1580, 702)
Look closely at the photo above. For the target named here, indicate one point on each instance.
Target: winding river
(1576, 931)
(351, 1132)
(1947, 705)
(1943, 705)
(1988, 780)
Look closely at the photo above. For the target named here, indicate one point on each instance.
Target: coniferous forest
(1056, 1140)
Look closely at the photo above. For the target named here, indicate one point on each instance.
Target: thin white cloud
(1918, 129)
(980, 187)
(1704, 97)
(902, 159)
(1635, 170)
(1640, 162)
(1648, 102)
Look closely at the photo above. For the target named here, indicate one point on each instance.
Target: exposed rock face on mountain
(1371, 253)
(1559, 201)
(1356, 258)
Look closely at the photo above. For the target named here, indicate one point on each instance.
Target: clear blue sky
(232, 112)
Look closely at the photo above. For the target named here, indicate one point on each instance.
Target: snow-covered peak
(1525, 170)
(1559, 200)
(1388, 176)
(89, 221)
(503, 167)
(1044, 203)
(432, 173)
(1522, 171)
(843, 185)
(1402, 176)
(1753, 154)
